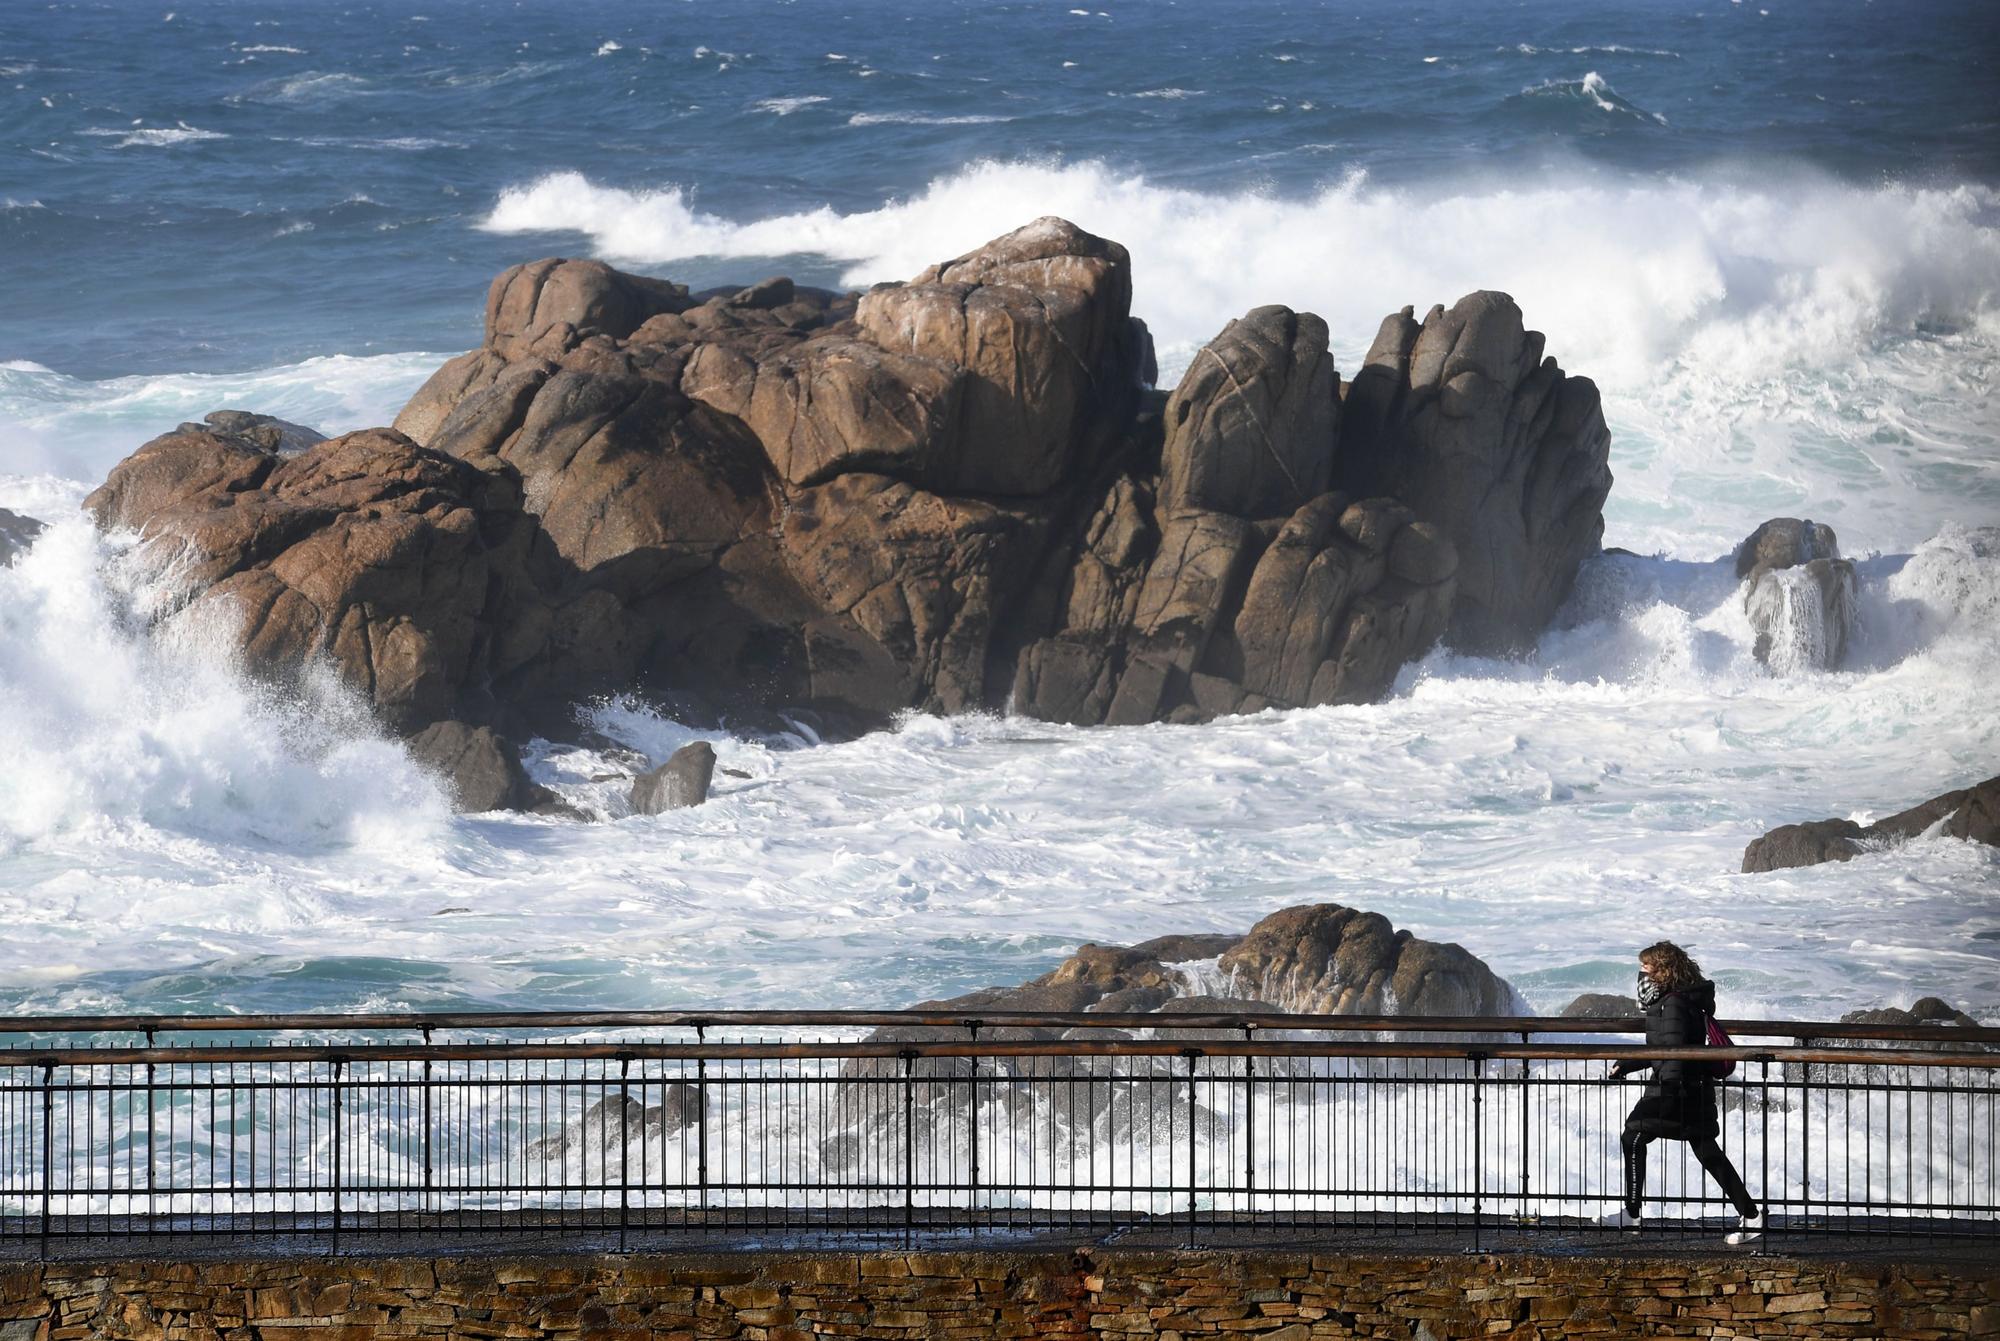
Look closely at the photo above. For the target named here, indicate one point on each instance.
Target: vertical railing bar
(339, 1108)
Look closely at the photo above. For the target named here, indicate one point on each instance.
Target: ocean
(1770, 232)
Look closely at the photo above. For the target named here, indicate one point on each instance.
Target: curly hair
(1682, 972)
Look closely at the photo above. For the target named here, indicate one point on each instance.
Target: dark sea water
(1769, 230)
(221, 186)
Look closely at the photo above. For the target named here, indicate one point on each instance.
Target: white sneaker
(1621, 1219)
(1749, 1228)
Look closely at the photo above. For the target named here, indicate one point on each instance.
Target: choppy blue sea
(1770, 230)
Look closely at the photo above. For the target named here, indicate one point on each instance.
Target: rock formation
(948, 494)
(1971, 812)
(1313, 959)
(482, 769)
(680, 782)
(16, 534)
(1463, 419)
(1798, 592)
(1600, 1006)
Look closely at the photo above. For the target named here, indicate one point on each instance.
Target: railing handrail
(418, 1021)
(968, 1048)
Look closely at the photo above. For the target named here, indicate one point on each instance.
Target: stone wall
(1111, 1294)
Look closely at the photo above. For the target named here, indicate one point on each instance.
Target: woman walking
(1679, 1102)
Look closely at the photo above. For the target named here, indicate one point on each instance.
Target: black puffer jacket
(1680, 1098)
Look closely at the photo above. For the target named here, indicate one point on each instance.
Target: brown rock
(1462, 418)
(1971, 813)
(1323, 958)
(1040, 321)
(680, 782)
(392, 562)
(481, 769)
(1252, 426)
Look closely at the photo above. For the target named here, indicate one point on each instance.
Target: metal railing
(623, 1128)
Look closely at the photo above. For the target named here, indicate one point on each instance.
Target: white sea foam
(1548, 814)
(157, 137)
(76, 429)
(608, 47)
(786, 106)
(312, 86)
(923, 119)
(1597, 91)
(1761, 344)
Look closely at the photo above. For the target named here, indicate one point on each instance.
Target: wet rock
(264, 431)
(1971, 813)
(1252, 427)
(16, 534)
(1327, 959)
(947, 494)
(680, 782)
(1799, 593)
(1462, 418)
(410, 572)
(482, 770)
(596, 1138)
(1040, 321)
(1600, 1006)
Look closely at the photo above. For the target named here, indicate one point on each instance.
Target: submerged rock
(680, 782)
(1799, 594)
(1971, 813)
(16, 534)
(949, 494)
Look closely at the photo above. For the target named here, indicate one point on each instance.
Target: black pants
(1705, 1149)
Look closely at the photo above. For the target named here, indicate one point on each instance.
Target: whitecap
(608, 47)
(158, 136)
(786, 106)
(922, 119)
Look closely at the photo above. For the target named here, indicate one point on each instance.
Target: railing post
(1478, 1145)
(1249, 1128)
(425, 1096)
(909, 1143)
(339, 1107)
(700, 1125)
(152, 1106)
(624, 1149)
(1526, 1064)
(48, 1147)
(1192, 1055)
(1805, 1140)
(972, 1117)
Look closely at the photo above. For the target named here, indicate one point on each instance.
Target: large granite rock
(406, 570)
(951, 494)
(1313, 959)
(481, 769)
(1252, 427)
(1970, 813)
(1326, 959)
(1799, 593)
(680, 782)
(16, 534)
(1462, 418)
